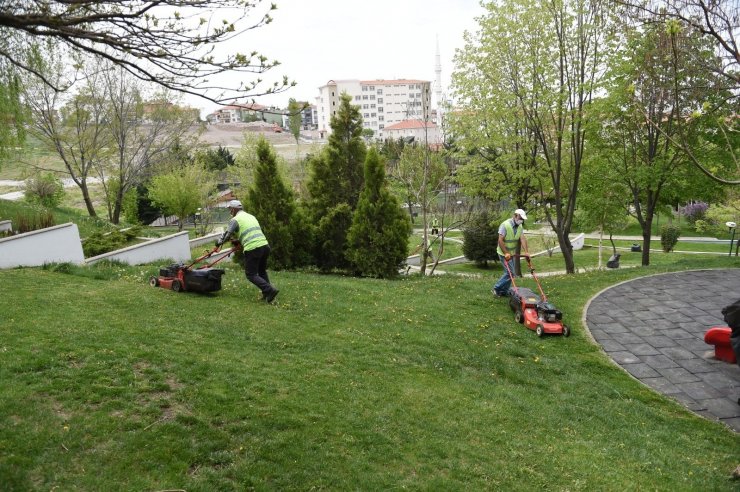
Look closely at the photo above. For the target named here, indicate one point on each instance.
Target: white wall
(209, 239)
(6, 225)
(58, 244)
(175, 247)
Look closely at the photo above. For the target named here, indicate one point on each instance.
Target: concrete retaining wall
(175, 247)
(58, 244)
(209, 239)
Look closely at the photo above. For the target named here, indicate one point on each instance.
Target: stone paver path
(654, 328)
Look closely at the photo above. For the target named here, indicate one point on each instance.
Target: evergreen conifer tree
(480, 239)
(273, 203)
(378, 238)
(335, 184)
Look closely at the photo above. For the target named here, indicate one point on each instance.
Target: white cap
(521, 213)
(235, 204)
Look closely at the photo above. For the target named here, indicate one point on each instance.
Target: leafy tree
(422, 174)
(714, 24)
(215, 160)
(182, 191)
(334, 185)
(556, 52)
(495, 141)
(603, 197)
(73, 127)
(45, 189)
(273, 203)
(650, 167)
(295, 118)
(13, 130)
(143, 132)
(377, 241)
(167, 42)
(480, 239)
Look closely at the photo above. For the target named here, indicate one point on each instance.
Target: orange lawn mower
(533, 310)
(181, 277)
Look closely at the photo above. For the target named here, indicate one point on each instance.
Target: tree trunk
(567, 249)
(87, 199)
(646, 236)
(117, 206)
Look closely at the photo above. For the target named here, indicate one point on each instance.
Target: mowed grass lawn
(345, 384)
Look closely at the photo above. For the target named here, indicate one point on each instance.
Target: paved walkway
(654, 328)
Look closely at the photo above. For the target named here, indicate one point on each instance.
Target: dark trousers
(255, 268)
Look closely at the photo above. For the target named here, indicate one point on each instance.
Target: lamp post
(195, 220)
(731, 226)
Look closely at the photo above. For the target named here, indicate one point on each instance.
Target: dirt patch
(232, 135)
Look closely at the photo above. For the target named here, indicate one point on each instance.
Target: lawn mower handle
(531, 270)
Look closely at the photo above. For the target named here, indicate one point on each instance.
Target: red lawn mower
(181, 277)
(533, 310)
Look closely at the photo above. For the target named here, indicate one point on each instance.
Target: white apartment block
(382, 102)
(420, 131)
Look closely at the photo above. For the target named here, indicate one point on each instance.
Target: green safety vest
(250, 232)
(511, 239)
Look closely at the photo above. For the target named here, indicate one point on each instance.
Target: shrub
(99, 242)
(45, 189)
(669, 237)
(480, 239)
(716, 217)
(694, 211)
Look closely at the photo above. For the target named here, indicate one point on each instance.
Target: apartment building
(382, 102)
(415, 130)
(245, 113)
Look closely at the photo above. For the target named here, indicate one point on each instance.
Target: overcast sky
(319, 40)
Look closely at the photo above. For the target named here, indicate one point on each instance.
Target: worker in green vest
(246, 229)
(510, 233)
(435, 226)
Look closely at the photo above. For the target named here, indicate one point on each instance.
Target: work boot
(271, 295)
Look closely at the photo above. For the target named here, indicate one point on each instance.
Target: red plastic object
(719, 336)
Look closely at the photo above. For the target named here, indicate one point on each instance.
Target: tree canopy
(178, 44)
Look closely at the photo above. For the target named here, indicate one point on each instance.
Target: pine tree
(480, 239)
(273, 203)
(335, 185)
(378, 238)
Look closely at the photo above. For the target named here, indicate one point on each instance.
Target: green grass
(655, 245)
(345, 384)
(687, 228)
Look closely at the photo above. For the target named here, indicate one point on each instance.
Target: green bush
(99, 242)
(45, 189)
(481, 239)
(669, 237)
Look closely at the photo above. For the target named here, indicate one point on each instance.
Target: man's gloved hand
(507, 256)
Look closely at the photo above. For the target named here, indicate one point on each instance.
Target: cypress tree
(335, 184)
(480, 239)
(273, 203)
(378, 238)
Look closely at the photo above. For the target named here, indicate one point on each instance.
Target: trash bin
(613, 262)
(636, 248)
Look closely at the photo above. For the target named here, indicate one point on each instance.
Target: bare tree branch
(178, 44)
